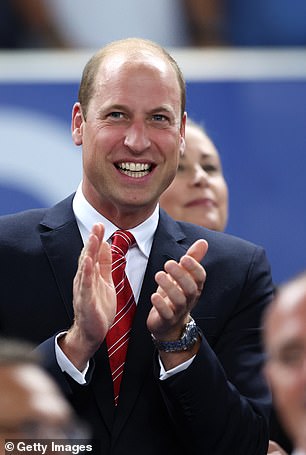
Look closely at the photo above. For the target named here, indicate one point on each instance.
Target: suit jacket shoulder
(39, 250)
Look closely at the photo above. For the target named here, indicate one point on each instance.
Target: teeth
(135, 166)
(135, 174)
(135, 170)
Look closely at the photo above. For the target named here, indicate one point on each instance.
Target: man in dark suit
(187, 386)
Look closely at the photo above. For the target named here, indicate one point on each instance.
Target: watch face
(187, 340)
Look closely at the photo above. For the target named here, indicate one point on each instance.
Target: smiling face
(286, 367)
(132, 136)
(198, 194)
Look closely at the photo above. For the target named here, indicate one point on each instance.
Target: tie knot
(121, 241)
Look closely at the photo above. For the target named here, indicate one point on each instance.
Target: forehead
(287, 321)
(145, 56)
(27, 392)
(199, 142)
(123, 70)
(17, 397)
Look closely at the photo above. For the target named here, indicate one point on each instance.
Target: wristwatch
(187, 341)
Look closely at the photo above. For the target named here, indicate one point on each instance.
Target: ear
(182, 131)
(77, 122)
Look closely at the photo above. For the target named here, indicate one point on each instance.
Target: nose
(199, 177)
(137, 138)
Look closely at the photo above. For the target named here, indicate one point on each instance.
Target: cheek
(221, 194)
(222, 191)
(97, 137)
(288, 389)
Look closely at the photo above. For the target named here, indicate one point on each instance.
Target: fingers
(198, 250)
(98, 255)
(95, 240)
(180, 284)
(105, 261)
(93, 244)
(172, 290)
(91, 255)
(189, 270)
(190, 263)
(164, 310)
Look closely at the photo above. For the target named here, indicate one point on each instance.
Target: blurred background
(245, 67)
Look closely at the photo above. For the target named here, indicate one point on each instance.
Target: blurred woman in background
(198, 193)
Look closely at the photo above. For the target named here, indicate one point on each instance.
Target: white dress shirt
(136, 263)
(136, 256)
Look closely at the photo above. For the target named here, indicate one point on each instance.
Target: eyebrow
(207, 155)
(117, 107)
(203, 155)
(123, 107)
(292, 344)
(287, 346)
(162, 108)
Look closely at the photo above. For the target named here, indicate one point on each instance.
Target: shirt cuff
(167, 374)
(67, 366)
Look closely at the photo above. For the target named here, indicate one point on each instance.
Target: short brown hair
(86, 89)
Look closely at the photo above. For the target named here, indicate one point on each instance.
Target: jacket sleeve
(49, 361)
(221, 403)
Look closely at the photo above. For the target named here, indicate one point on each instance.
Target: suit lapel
(62, 243)
(139, 361)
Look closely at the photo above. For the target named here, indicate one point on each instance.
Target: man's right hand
(94, 300)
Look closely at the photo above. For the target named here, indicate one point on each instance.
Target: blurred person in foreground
(199, 192)
(191, 380)
(31, 404)
(285, 342)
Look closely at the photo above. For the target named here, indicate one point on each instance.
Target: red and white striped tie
(118, 335)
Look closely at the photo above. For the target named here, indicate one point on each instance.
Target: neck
(128, 220)
(122, 216)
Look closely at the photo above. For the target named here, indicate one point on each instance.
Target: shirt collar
(87, 216)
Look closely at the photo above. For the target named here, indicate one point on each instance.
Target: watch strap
(187, 341)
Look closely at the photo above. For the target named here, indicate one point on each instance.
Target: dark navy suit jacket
(219, 405)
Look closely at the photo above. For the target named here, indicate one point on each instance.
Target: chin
(209, 224)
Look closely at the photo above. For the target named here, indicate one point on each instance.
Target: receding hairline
(131, 48)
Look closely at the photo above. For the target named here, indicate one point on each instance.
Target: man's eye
(159, 118)
(116, 115)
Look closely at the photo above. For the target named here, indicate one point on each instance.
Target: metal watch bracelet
(187, 341)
